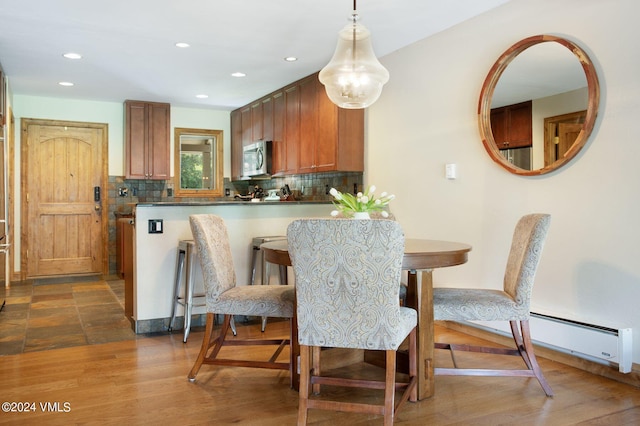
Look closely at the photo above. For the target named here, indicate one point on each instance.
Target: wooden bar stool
(185, 259)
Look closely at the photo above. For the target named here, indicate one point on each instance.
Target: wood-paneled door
(64, 225)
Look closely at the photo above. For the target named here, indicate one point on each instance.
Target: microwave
(256, 160)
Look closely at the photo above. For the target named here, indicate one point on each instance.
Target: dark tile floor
(59, 313)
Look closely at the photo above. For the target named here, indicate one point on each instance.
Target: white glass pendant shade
(354, 77)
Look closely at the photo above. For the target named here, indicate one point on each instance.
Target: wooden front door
(64, 174)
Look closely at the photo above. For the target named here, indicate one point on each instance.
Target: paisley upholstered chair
(224, 297)
(347, 273)
(510, 304)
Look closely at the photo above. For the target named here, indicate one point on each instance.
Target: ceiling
(128, 46)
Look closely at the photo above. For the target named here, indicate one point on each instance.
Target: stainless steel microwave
(256, 160)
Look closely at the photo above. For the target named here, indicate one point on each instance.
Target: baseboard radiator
(604, 345)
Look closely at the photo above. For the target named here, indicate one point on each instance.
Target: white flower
(364, 199)
(372, 189)
(333, 192)
(359, 195)
(335, 213)
(384, 213)
(378, 202)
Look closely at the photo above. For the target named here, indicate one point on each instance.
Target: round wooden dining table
(419, 256)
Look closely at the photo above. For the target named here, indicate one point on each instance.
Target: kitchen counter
(233, 203)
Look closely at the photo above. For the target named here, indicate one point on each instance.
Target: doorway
(560, 132)
(64, 198)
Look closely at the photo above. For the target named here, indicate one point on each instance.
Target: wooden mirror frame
(217, 172)
(486, 95)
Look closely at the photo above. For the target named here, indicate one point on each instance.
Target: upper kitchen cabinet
(310, 134)
(511, 125)
(147, 140)
(331, 138)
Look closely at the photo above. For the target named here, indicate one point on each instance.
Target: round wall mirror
(538, 105)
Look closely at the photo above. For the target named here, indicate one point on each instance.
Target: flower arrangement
(348, 204)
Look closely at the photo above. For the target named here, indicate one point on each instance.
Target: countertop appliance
(256, 160)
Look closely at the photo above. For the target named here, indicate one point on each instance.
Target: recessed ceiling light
(202, 96)
(72, 55)
(66, 83)
(238, 74)
(290, 59)
(181, 44)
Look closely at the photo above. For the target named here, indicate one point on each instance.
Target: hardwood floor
(144, 381)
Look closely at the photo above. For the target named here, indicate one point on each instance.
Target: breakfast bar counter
(159, 227)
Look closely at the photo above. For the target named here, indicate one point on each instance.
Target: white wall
(427, 117)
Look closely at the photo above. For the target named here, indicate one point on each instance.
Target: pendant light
(354, 78)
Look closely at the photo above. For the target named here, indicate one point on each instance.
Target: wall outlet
(156, 226)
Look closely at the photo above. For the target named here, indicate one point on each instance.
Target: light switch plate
(155, 226)
(450, 171)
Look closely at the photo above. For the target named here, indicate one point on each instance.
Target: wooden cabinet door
(147, 140)
(499, 127)
(267, 118)
(308, 126)
(279, 144)
(326, 147)
(159, 150)
(256, 122)
(236, 145)
(247, 129)
(136, 140)
(292, 128)
(511, 126)
(520, 125)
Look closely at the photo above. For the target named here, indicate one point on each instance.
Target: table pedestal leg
(420, 297)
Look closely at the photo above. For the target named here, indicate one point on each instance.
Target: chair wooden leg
(303, 393)
(528, 346)
(315, 367)
(522, 337)
(517, 337)
(208, 334)
(413, 365)
(390, 387)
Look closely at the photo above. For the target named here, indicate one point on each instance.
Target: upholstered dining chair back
(512, 304)
(526, 250)
(212, 242)
(225, 298)
(347, 282)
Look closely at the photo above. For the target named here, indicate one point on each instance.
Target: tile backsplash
(123, 194)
